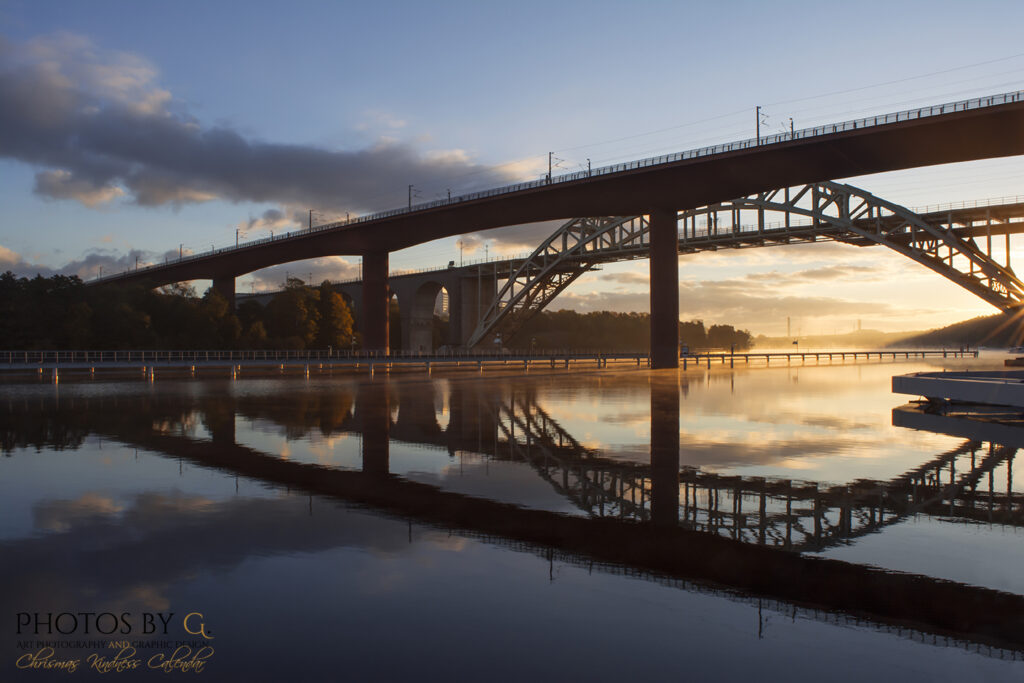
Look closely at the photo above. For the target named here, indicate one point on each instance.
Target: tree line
(617, 331)
(60, 312)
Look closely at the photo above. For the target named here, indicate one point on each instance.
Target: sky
(134, 130)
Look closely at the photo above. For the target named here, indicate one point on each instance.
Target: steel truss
(944, 241)
(575, 248)
(799, 516)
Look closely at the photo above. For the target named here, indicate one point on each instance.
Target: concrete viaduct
(658, 188)
(470, 288)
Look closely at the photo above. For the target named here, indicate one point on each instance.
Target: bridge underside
(970, 130)
(956, 243)
(490, 302)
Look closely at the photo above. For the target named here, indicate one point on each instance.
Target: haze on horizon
(128, 132)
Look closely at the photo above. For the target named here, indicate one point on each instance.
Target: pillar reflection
(373, 407)
(665, 449)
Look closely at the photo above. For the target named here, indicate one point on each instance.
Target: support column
(664, 264)
(375, 302)
(225, 286)
(665, 450)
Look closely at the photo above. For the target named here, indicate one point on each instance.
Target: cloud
(99, 127)
(270, 220)
(315, 271)
(510, 240)
(108, 261)
(733, 301)
(736, 300)
(628, 278)
(811, 275)
(90, 265)
(377, 119)
(61, 184)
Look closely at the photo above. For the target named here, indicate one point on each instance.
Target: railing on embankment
(321, 359)
(722, 357)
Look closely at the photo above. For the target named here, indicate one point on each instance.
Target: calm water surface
(754, 523)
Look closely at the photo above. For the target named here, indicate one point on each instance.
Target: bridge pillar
(664, 264)
(469, 302)
(665, 450)
(374, 408)
(375, 302)
(225, 286)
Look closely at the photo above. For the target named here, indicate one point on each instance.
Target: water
(768, 522)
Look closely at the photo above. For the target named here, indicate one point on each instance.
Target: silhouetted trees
(617, 331)
(61, 313)
(335, 319)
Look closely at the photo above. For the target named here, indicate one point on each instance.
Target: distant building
(441, 305)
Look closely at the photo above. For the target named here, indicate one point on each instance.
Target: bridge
(492, 300)
(658, 188)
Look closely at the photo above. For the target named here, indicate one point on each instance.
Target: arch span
(424, 302)
(945, 241)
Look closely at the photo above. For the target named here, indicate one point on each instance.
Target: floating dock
(1000, 388)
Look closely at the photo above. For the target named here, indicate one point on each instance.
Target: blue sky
(463, 95)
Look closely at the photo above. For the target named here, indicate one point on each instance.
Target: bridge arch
(946, 242)
(423, 302)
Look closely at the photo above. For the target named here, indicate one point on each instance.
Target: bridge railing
(775, 138)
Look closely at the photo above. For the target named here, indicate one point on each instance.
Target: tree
(693, 335)
(728, 337)
(336, 322)
(223, 328)
(292, 316)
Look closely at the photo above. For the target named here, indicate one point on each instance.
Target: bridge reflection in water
(652, 519)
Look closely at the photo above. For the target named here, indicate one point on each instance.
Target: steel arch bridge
(956, 243)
